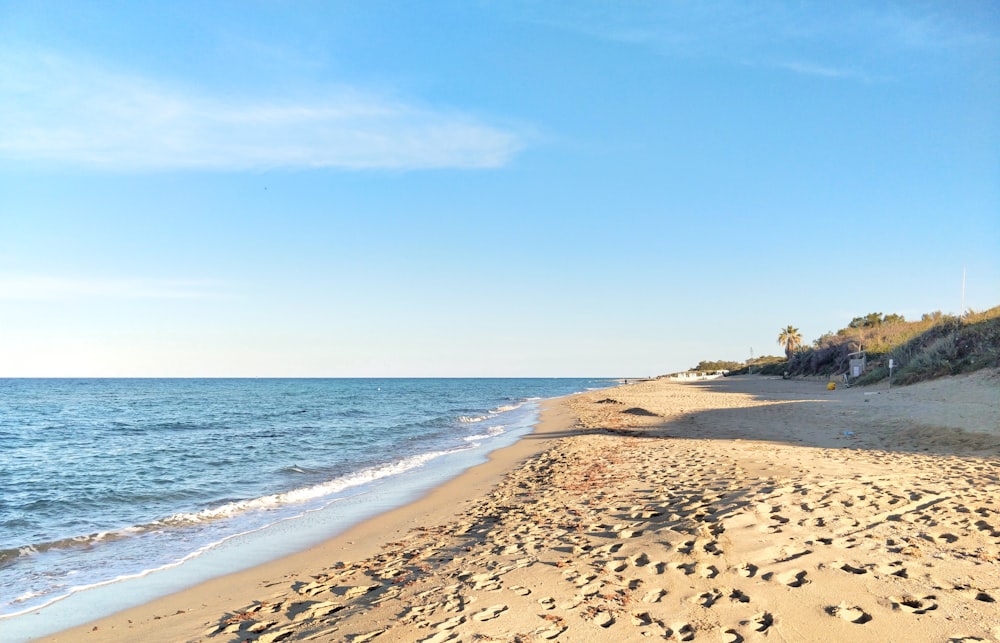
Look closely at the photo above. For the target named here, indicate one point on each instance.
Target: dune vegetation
(933, 346)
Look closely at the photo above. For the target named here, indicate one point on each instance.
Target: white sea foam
(306, 494)
(26, 597)
(506, 408)
(465, 419)
(232, 509)
(492, 432)
(229, 510)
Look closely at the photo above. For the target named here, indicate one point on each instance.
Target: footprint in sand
(684, 632)
(792, 554)
(478, 581)
(359, 590)
(732, 636)
(686, 548)
(761, 622)
(552, 632)
(712, 548)
(709, 598)
(640, 561)
(629, 533)
(849, 613)
(849, 568)
(654, 596)
(260, 627)
(977, 594)
(738, 596)
(986, 527)
(608, 549)
(298, 608)
(602, 618)
(642, 619)
(310, 589)
(914, 605)
(794, 578)
(451, 623)
(363, 638)
(440, 637)
(687, 568)
(490, 613)
(896, 569)
(748, 570)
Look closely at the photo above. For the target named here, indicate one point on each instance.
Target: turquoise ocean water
(115, 491)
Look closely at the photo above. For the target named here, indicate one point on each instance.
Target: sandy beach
(728, 510)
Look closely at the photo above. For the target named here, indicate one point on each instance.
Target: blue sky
(484, 188)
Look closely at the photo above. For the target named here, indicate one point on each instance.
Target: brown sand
(730, 510)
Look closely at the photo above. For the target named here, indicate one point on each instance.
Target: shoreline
(728, 509)
(157, 619)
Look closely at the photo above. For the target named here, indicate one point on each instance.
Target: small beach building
(856, 364)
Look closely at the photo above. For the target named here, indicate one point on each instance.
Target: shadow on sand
(794, 412)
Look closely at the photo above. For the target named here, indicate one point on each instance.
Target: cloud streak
(822, 71)
(29, 287)
(56, 110)
(861, 42)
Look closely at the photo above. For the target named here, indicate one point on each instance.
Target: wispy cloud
(78, 113)
(862, 42)
(823, 71)
(15, 286)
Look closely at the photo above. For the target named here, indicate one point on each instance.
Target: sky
(509, 188)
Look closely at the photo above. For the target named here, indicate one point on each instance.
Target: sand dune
(732, 510)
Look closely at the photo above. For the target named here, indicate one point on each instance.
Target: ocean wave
(305, 494)
(297, 469)
(503, 408)
(492, 432)
(8, 556)
(506, 408)
(234, 507)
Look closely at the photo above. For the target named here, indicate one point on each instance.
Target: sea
(116, 491)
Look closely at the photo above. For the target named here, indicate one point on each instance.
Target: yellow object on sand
(831, 386)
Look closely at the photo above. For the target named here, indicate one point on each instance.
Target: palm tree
(791, 339)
